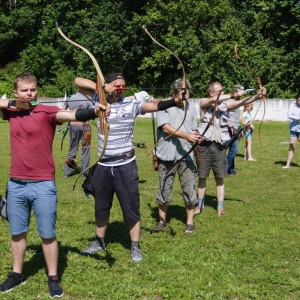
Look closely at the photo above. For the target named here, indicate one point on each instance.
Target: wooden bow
(100, 85)
(182, 87)
(263, 99)
(201, 134)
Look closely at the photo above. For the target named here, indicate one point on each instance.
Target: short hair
(177, 85)
(114, 76)
(26, 77)
(298, 96)
(211, 87)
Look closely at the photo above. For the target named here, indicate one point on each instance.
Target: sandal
(159, 227)
(198, 210)
(190, 228)
(221, 212)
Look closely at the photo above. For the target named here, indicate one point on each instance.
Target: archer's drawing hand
(236, 94)
(110, 89)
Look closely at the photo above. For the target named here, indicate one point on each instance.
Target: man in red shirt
(32, 174)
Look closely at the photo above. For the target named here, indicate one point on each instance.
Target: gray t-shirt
(174, 148)
(78, 101)
(234, 116)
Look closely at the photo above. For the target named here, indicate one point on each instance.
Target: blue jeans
(233, 150)
(22, 197)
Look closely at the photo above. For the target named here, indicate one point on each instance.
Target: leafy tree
(202, 33)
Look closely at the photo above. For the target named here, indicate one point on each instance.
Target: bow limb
(201, 134)
(86, 51)
(263, 99)
(182, 87)
(100, 90)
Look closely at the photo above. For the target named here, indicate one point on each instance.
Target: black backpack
(3, 207)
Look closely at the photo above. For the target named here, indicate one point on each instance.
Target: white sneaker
(285, 167)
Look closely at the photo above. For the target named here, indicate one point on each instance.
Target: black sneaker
(56, 291)
(12, 282)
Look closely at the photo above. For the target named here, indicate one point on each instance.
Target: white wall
(276, 109)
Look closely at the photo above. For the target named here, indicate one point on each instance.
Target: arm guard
(83, 115)
(162, 105)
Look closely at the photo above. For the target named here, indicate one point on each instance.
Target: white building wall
(276, 109)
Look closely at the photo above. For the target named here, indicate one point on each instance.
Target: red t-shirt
(31, 137)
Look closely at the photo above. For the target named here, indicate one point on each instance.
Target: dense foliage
(252, 253)
(202, 33)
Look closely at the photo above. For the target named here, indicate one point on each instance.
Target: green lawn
(250, 253)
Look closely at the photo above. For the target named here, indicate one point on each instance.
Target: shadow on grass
(117, 232)
(283, 163)
(179, 213)
(37, 261)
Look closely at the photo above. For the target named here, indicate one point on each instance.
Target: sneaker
(93, 248)
(136, 254)
(11, 282)
(221, 212)
(56, 291)
(285, 167)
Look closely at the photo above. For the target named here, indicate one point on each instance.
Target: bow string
(263, 99)
(182, 87)
(100, 90)
(210, 122)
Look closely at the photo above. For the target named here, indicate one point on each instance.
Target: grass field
(250, 253)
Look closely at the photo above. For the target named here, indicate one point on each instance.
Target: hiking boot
(94, 247)
(12, 282)
(136, 254)
(56, 291)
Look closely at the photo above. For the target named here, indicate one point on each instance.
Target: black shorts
(122, 180)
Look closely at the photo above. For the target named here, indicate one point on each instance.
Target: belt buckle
(128, 154)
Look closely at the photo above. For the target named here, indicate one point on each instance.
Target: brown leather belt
(125, 155)
(76, 123)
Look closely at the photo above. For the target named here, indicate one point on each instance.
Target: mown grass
(250, 253)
